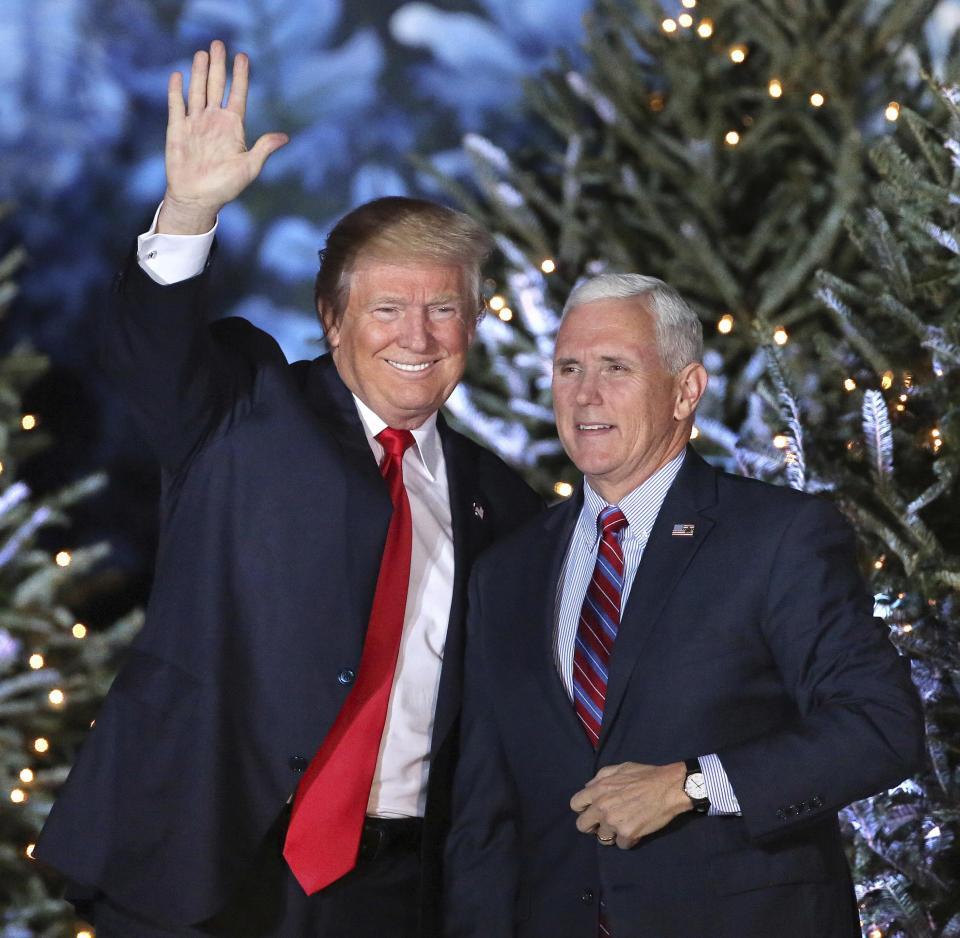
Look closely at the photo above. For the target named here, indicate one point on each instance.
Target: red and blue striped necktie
(599, 623)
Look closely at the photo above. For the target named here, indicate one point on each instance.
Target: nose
(415, 332)
(588, 389)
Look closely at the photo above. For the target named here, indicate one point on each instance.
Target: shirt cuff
(719, 790)
(168, 258)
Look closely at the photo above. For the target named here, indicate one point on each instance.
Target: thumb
(267, 144)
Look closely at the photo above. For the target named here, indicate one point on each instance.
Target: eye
(566, 369)
(386, 312)
(443, 312)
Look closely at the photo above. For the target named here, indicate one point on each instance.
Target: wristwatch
(695, 788)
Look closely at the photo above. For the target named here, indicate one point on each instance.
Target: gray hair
(679, 331)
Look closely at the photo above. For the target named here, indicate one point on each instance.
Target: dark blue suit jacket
(273, 519)
(753, 639)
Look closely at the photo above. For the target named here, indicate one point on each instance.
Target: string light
(685, 20)
(84, 934)
(28, 421)
(906, 627)
(63, 558)
(850, 385)
(879, 562)
(563, 489)
(780, 335)
(497, 303)
(725, 324)
(1, 467)
(656, 102)
(817, 99)
(780, 441)
(506, 314)
(40, 744)
(18, 796)
(26, 776)
(36, 661)
(892, 112)
(705, 29)
(874, 932)
(79, 630)
(738, 54)
(886, 381)
(775, 88)
(56, 697)
(695, 433)
(548, 265)
(689, 4)
(28, 853)
(901, 408)
(669, 25)
(732, 138)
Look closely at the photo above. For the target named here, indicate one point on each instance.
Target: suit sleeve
(859, 725)
(179, 378)
(481, 864)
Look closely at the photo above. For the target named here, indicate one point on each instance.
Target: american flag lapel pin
(478, 510)
(683, 530)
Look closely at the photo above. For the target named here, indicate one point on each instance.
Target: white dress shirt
(399, 786)
(641, 507)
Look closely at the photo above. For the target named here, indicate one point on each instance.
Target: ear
(328, 320)
(691, 384)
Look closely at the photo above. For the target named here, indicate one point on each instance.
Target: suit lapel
(469, 517)
(665, 558)
(541, 574)
(368, 501)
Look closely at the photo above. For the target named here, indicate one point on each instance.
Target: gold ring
(606, 842)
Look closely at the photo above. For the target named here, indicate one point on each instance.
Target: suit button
(346, 676)
(298, 763)
(586, 897)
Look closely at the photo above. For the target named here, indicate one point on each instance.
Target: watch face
(694, 786)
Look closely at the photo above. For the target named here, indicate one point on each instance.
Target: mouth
(410, 367)
(593, 427)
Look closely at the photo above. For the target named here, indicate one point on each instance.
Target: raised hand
(207, 160)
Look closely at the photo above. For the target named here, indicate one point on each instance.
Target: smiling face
(620, 414)
(401, 343)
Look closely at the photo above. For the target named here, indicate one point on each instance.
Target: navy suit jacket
(752, 638)
(273, 519)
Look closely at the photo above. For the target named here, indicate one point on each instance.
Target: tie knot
(395, 442)
(611, 521)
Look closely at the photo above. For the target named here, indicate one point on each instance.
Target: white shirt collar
(640, 506)
(426, 436)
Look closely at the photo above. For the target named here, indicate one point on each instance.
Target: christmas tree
(790, 169)
(54, 668)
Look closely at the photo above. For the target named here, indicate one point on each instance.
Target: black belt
(382, 835)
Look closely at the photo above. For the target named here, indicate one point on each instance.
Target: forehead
(606, 326)
(413, 278)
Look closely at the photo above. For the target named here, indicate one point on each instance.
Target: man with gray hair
(673, 679)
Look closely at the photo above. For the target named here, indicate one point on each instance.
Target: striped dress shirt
(641, 507)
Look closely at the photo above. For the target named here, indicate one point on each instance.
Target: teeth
(593, 426)
(403, 366)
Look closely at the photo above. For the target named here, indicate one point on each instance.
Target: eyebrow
(401, 301)
(606, 359)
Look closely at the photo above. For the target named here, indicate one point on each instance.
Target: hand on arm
(629, 801)
(207, 160)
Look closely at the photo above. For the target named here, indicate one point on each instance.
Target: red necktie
(598, 626)
(331, 801)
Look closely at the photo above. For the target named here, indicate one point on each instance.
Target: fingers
(589, 820)
(581, 800)
(175, 107)
(237, 102)
(217, 74)
(197, 98)
(267, 144)
(606, 835)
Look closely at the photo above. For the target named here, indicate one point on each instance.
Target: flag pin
(683, 530)
(478, 510)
